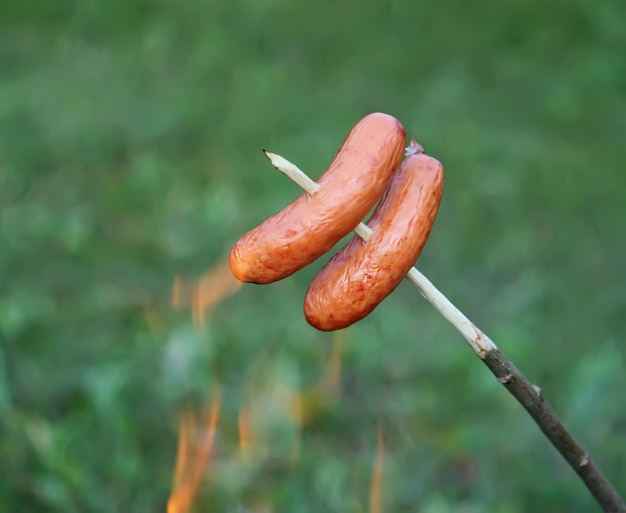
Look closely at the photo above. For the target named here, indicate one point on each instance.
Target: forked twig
(527, 394)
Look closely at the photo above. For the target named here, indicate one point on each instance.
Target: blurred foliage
(130, 153)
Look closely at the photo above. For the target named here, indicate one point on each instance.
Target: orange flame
(329, 382)
(271, 398)
(377, 476)
(296, 407)
(192, 458)
(211, 288)
(244, 424)
(246, 420)
(307, 404)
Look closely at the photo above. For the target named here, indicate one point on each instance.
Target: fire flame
(268, 400)
(377, 476)
(194, 454)
(293, 406)
(216, 284)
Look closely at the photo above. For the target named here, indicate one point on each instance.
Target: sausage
(363, 273)
(312, 224)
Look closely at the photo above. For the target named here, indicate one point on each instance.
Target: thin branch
(527, 394)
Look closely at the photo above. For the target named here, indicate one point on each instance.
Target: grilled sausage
(363, 273)
(311, 225)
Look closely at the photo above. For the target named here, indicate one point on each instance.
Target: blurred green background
(130, 153)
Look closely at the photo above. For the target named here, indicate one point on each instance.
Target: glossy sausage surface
(311, 225)
(362, 274)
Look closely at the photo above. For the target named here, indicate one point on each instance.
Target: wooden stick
(527, 394)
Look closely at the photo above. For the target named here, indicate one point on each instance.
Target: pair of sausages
(367, 166)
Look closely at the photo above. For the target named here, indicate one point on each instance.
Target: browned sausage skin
(362, 274)
(311, 225)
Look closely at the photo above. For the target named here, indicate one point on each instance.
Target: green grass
(130, 153)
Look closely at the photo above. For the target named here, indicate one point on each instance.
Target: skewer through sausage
(312, 224)
(363, 273)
